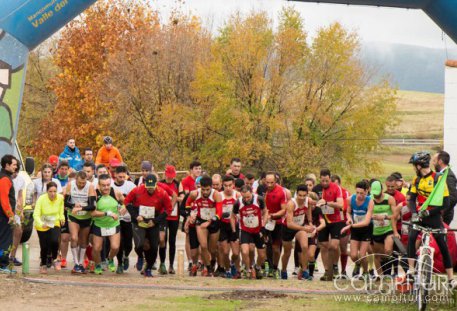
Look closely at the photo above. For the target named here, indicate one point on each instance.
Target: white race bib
(358, 218)
(251, 221)
(207, 213)
(81, 213)
(327, 210)
(270, 225)
(108, 231)
(299, 220)
(174, 212)
(147, 212)
(381, 223)
(48, 221)
(227, 208)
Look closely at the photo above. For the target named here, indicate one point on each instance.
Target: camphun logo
(383, 287)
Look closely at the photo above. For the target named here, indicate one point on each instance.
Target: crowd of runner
(236, 225)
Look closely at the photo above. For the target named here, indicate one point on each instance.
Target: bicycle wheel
(424, 275)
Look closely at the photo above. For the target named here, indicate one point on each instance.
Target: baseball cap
(376, 188)
(146, 165)
(107, 140)
(53, 159)
(114, 162)
(150, 181)
(170, 171)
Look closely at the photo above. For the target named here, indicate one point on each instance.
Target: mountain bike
(424, 263)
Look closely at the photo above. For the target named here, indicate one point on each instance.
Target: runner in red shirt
(227, 240)
(148, 206)
(330, 204)
(208, 207)
(169, 229)
(253, 216)
(235, 169)
(185, 187)
(344, 240)
(276, 203)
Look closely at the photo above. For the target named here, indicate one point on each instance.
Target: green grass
(199, 302)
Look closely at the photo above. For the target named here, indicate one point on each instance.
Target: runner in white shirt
(124, 186)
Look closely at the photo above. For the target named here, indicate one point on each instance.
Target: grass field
(421, 116)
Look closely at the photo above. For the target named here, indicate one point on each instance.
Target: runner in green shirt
(106, 222)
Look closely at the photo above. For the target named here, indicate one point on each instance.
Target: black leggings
(433, 222)
(126, 241)
(170, 237)
(152, 235)
(49, 244)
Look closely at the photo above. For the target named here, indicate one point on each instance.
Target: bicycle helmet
(421, 158)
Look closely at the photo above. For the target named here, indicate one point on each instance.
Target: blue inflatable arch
(442, 12)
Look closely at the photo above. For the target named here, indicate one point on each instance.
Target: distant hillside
(409, 67)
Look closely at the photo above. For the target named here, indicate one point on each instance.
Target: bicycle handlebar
(428, 230)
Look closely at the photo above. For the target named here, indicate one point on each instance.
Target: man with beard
(441, 161)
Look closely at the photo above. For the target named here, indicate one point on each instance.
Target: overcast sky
(372, 23)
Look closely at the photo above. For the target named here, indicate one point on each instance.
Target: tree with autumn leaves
(171, 92)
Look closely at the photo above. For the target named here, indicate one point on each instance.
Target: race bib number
(327, 210)
(299, 220)
(227, 208)
(358, 218)
(108, 231)
(174, 212)
(270, 225)
(207, 213)
(404, 229)
(48, 221)
(251, 221)
(381, 223)
(81, 213)
(147, 212)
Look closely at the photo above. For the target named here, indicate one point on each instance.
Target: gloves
(234, 237)
(415, 218)
(424, 214)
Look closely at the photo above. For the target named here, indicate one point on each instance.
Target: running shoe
(171, 270)
(63, 263)
(162, 269)
(296, 270)
(86, 263)
(205, 272)
(276, 274)
(83, 270)
(16, 262)
(76, 270)
(111, 265)
(258, 272)
(49, 262)
(228, 274)
(283, 275)
(193, 271)
(98, 269)
(125, 263)
(119, 269)
(148, 273)
(154, 267)
(139, 263)
(233, 269)
(305, 275)
(189, 267)
(356, 270)
(7, 270)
